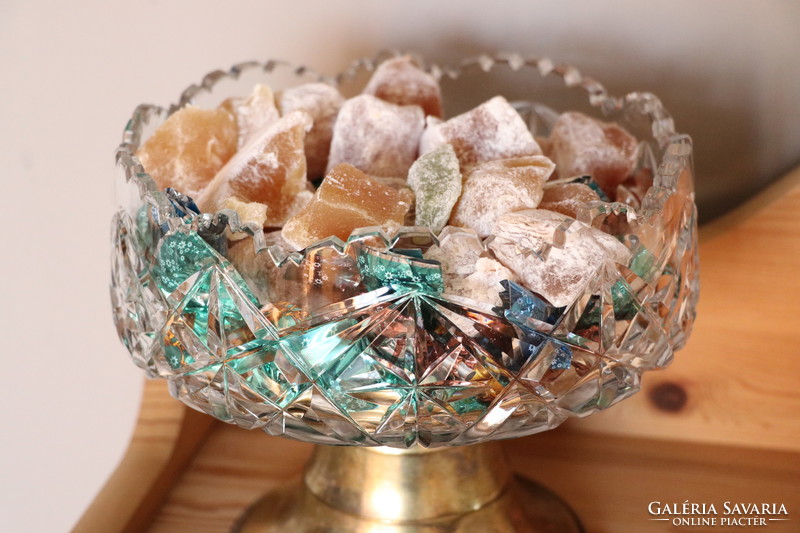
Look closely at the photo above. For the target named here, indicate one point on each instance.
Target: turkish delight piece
(188, 149)
(566, 198)
(394, 183)
(435, 179)
(258, 270)
(322, 102)
(400, 184)
(465, 270)
(483, 285)
(253, 113)
(376, 137)
(493, 188)
(346, 200)
(249, 212)
(431, 137)
(401, 82)
(552, 254)
(457, 251)
(493, 130)
(270, 170)
(580, 144)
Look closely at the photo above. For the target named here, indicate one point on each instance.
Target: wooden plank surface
(166, 437)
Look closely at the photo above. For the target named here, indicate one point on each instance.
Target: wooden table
(721, 424)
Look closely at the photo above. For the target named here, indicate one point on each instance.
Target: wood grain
(608, 480)
(166, 437)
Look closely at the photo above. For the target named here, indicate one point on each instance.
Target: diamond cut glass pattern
(359, 342)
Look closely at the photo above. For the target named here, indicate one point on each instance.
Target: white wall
(71, 72)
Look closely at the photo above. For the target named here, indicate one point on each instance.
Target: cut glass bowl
(356, 343)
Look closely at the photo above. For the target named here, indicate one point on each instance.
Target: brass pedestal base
(382, 490)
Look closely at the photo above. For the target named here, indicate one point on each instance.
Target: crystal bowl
(357, 343)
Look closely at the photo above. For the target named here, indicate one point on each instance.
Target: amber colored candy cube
(566, 198)
(253, 113)
(322, 102)
(401, 82)
(269, 170)
(580, 144)
(493, 130)
(376, 137)
(188, 149)
(494, 188)
(347, 199)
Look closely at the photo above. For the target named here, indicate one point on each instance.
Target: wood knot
(669, 397)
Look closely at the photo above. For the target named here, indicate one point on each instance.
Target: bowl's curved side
(383, 356)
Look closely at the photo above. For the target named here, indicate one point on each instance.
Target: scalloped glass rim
(676, 148)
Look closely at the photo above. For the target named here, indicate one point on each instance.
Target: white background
(71, 73)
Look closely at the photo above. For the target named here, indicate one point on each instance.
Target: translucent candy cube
(567, 198)
(188, 149)
(435, 179)
(346, 200)
(269, 170)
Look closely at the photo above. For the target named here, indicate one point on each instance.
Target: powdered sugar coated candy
(249, 212)
(435, 179)
(494, 188)
(458, 251)
(188, 149)
(322, 102)
(552, 254)
(346, 200)
(493, 130)
(465, 270)
(376, 137)
(483, 285)
(431, 137)
(401, 82)
(253, 113)
(567, 198)
(270, 170)
(580, 144)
